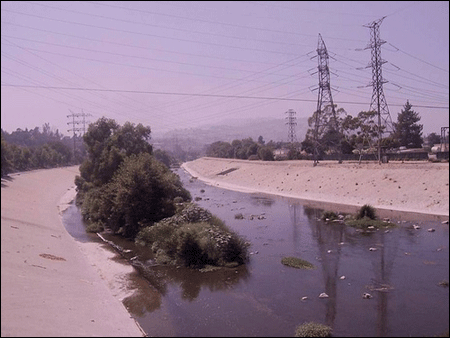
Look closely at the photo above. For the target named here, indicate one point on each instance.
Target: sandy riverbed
(419, 186)
(51, 284)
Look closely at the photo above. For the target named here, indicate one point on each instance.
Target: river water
(402, 269)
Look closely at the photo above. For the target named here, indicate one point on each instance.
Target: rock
(431, 230)
(323, 295)
(372, 249)
(367, 295)
(416, 227)
(304, 298)
(342, 277)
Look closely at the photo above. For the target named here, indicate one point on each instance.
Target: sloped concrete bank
(418, 187)
(49, 286)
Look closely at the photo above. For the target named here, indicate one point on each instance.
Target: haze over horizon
(175, 65)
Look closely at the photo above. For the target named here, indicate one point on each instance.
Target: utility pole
(324, 120)
(444, 143)
(292, 122)
(378, 103)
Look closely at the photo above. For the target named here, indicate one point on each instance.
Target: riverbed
(391, 282)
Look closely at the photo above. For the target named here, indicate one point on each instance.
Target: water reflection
(262, 200)
(190, 281)
(329, 239)
(264, 298)
(144, 300)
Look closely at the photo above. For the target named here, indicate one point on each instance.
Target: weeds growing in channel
(366, 218)
(313, 329)
(297, 263)
(194, 238)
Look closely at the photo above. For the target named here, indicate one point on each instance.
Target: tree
(360, 133)
(325, 133)
(141, 191)
(433, 139)
(220, 149)
(407, 131)
(163, 157)
(107, 146)
(121, 184)
(265, 153)
(6, 163)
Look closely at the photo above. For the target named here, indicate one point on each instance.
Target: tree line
(333, 133)
(38, 148)
(245, 149)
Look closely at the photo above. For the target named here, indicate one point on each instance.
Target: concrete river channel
(405, 270)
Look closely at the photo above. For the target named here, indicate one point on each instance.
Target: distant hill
(197, 138)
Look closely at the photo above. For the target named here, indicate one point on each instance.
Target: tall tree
(407, 131)
(107, 145)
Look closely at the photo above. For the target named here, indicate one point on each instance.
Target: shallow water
(264, 297)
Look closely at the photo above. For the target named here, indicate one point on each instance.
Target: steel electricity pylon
(325, 116)
(75, 122)
(291, 123)
(378, 103)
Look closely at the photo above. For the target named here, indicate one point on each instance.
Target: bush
(329, 216)
(312, 329)
(366, 211)
(366, 219)
(142, 190)
(194, 238)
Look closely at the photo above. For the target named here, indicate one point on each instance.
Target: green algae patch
(313, 329)
(297, 263)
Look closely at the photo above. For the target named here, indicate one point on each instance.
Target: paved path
(48, 288)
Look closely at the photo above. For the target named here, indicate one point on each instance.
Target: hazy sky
(183, 64)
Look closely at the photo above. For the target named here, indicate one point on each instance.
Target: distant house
(280, 154)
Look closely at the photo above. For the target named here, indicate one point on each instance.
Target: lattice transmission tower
(291, 123)
(325, 116)
(75, 122)
(378, 102)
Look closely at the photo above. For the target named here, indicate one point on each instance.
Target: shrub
(194, 238)
(312, 329)
(95, 227)
(366, 211)
(142, 190)
(329, 215)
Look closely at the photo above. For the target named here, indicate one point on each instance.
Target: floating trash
(367, 295)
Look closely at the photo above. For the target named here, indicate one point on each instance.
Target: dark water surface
(401, 269)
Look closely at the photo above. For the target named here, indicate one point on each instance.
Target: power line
(145, 34)
(193, 94)
(445, 70)
(165, 27)
(202, 20)
(134, 46)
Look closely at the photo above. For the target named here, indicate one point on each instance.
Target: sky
(174, 65)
